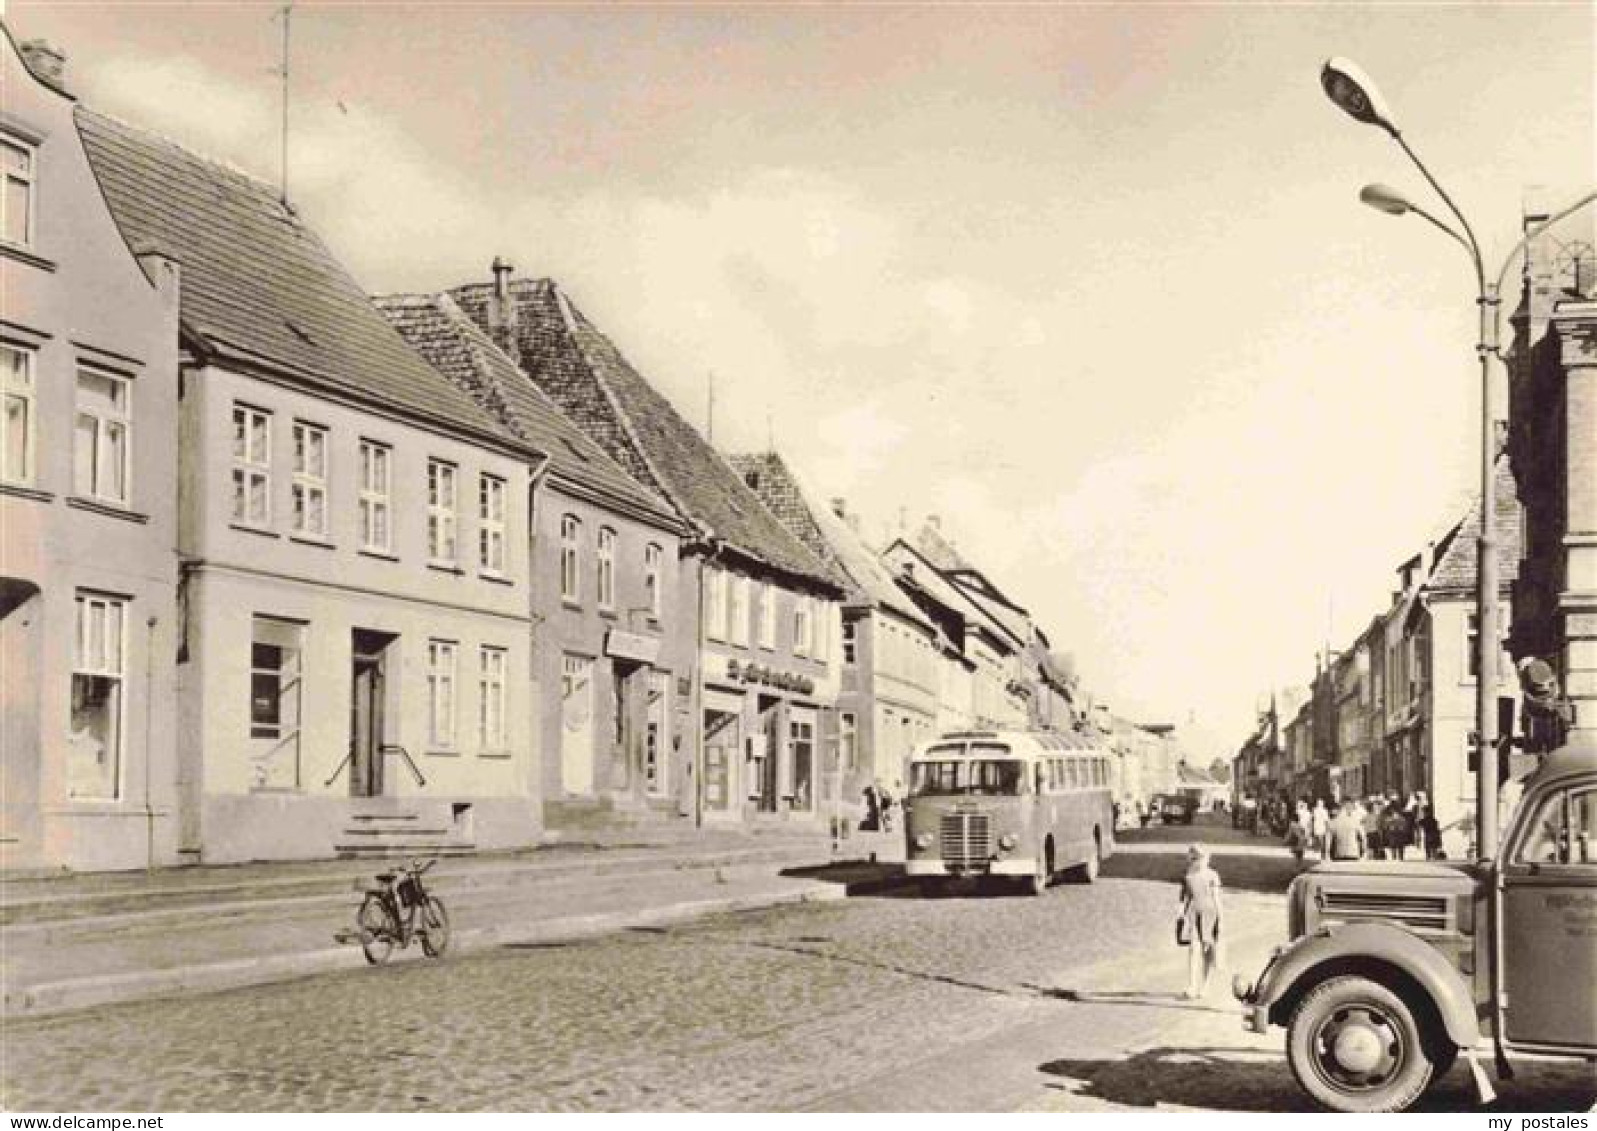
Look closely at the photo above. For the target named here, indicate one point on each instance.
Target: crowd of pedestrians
(1376, 827)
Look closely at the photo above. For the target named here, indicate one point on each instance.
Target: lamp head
(1385, 199)
(1355, 92)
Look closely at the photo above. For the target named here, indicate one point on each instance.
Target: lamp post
(1352, 90)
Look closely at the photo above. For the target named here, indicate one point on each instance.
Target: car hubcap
(1358, 1048)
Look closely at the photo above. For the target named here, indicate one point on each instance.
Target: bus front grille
(966, 838)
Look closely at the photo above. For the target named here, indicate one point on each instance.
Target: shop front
(763, 733)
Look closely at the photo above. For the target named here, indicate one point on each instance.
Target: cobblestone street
(978, 1001)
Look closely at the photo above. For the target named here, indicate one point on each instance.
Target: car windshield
(967, 776)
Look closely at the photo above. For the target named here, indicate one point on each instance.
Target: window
(653, 560)
(801, 626)
(17, 440)
(375, 483)
(276, 648)
(714, 604)
(491, 698)
(310, 479)
(1564, 830)
(606, 568)
(94, 740)
(847, 739)
(441, 516)
(441, 693)
(767, 617)
(252, 466)
(821, 617)
(741, 587)
(100, 455)
(491, 524)
(570, 563)
(850, 642)
(16, 202)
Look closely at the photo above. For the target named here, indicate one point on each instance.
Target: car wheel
(1355, 1046)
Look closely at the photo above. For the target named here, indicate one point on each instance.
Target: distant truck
(1174, 808)
(1395, 968)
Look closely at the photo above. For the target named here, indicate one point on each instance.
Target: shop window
(801, 749)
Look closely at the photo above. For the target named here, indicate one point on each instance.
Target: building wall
(75, 298)
(635, 655)
(320, 590)
(754, 699)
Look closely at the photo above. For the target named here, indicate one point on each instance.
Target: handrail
(348, 758)
(391, 748)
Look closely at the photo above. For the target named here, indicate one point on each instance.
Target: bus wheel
(1038, 881)
(1088, 872)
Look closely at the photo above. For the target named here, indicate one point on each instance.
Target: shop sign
(632, 646)
(742, 671)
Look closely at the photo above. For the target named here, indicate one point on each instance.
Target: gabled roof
(830, 537)
(932, 580)
(439, 330)
(1456, 566)
(259, 288)
(581, 369)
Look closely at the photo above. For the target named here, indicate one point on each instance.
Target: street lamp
(1352, 90)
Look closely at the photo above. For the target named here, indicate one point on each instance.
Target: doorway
(368, 685)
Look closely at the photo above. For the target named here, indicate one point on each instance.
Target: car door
(1549, 918)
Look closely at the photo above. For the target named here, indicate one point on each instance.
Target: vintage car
(1394, 969)
(1175, 808)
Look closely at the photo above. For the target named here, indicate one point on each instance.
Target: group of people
(879, 804)
(1376, 827)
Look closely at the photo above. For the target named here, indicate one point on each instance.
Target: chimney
(935, 521)
(47, 62)
(502, 315)
(840, 506)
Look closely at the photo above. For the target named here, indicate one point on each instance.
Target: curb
(49, 998)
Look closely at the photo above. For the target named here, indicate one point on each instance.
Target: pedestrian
(887, 809)
(1319, 824)
(1199, 922)
(1430, 832)
(873, 808)
(1345, 834)
(1372, 829)
(1297, 839)
(1394, 828)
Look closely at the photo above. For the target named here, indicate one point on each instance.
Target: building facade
(1553, 445)
(352, 651)
(88, 513)
(612, 640)
(765, 678)
(889, 652)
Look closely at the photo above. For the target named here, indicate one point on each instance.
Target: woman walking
(1199, 922)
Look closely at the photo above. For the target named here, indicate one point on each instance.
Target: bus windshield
(967, 776)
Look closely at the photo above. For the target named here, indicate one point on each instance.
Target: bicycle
(400, 910)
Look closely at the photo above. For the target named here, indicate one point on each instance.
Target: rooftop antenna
(770, 434)
(709, 408)
(286, 12)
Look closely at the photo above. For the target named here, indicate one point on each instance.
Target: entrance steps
(386, 831)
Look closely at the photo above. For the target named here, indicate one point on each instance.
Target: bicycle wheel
(434, 927)
(375, 923)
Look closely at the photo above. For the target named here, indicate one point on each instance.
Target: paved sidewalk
(75, 942)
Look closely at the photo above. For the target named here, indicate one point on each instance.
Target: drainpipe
(150, 623)
(534, 481)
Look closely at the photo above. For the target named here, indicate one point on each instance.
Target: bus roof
(1022, 743)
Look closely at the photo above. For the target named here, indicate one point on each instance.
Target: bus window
(934, 779)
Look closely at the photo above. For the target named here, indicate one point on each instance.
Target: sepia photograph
(674, 556)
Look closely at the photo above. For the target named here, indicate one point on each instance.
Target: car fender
(1355, 945)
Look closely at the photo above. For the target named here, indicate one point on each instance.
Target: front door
(1549, 919)
(366, 727)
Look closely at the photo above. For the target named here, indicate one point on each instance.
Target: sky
(1090, 282)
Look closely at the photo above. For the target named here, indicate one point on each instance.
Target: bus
(1026, 804)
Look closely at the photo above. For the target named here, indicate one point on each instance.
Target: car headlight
(1007, 841)
(923, 840)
